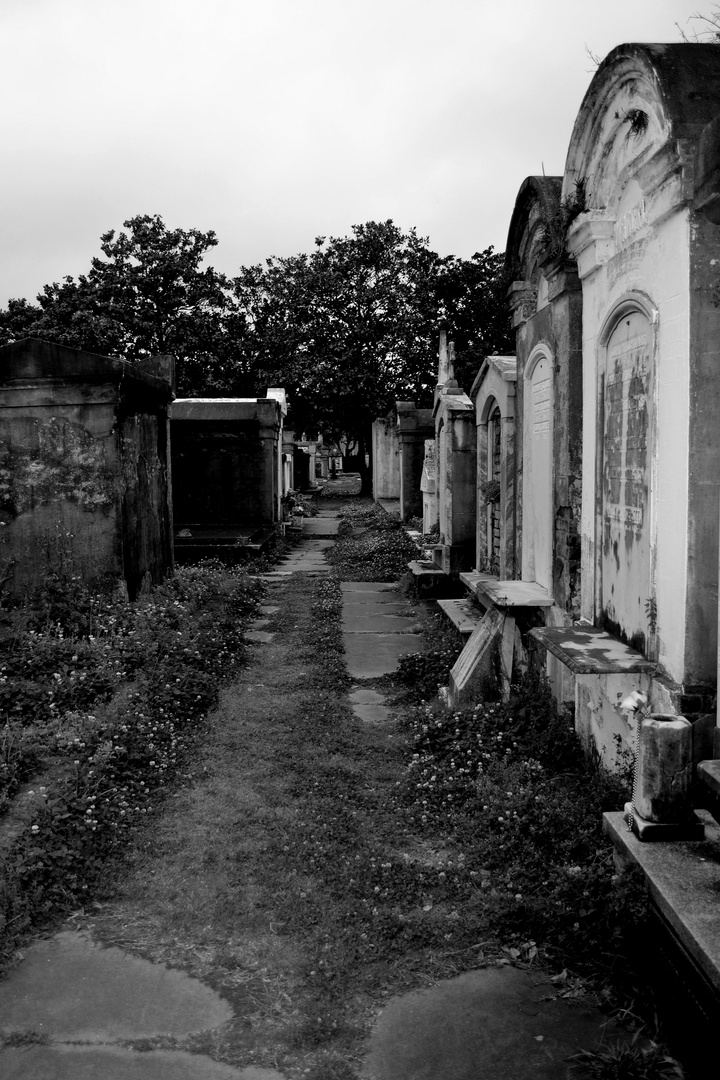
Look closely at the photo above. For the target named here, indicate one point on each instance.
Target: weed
(626, 1061)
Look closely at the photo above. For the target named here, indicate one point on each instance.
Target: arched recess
(494, 397)
(538, 501)
(624, 593)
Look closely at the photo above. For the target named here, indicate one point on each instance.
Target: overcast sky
(274, 121)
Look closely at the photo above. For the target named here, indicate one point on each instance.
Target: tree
(353, 326)
(148, 295)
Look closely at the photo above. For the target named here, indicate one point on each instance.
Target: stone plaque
(626, 478)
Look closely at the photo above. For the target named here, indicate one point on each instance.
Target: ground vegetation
(308, 865)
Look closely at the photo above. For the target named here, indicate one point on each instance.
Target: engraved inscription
(630, 223)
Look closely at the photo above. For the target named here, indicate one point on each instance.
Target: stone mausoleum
(84, 468)
(228, 474)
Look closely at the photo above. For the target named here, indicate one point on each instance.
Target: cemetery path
(230, 950)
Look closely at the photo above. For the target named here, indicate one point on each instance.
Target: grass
(309, 866)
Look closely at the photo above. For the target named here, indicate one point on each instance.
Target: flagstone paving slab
(105, 994)
(378, 622)
(369, 655)
(489, 1024)
(118, 1063)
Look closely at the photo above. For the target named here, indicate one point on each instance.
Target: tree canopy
(347, 329)
(353, 326)
(148, 295)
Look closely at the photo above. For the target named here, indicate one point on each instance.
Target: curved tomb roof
(642, 99)
(537, 200)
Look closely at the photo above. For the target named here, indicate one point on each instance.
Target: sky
(272, 122)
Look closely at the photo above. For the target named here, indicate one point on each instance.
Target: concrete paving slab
(363, 695)
(105, 994)
(260, 637)
(269, 609)
(490, 1024)
(367, 587)
(386, 606)
(118, 1063)
(372, 714)
(377, 622)
(370, 655)
(321, 526)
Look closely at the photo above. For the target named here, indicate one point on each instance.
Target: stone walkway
(81, 1010)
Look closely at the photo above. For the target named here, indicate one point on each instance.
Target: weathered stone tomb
(647, 258)
(228, 473)
(84, 467)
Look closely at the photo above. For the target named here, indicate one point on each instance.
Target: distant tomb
(228, 474)
(414, 427)
(456, 456)
(385, 458)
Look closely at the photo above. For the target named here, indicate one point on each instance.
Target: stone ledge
(589, 651)
(492, 591)
(683, 879)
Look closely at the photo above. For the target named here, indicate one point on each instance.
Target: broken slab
(474, 666)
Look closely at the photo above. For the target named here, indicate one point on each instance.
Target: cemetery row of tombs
(570, 496)
(574, 486)
(106, 477)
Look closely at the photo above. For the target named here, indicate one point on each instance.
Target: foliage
(371, 545)
(110, 709)
(352, 327)
(149, 295)
(423, 673)
(347, 329)
(557, 220)
(626, 1061)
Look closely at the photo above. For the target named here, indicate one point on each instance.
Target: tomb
(414, 428)
(546, 307)
(455, 441)
(228, 474)
(84, 468)
(385, 459)
(646, 254)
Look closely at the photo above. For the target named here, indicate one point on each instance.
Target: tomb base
(654, 831)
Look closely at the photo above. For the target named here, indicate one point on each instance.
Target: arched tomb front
(493, 393)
